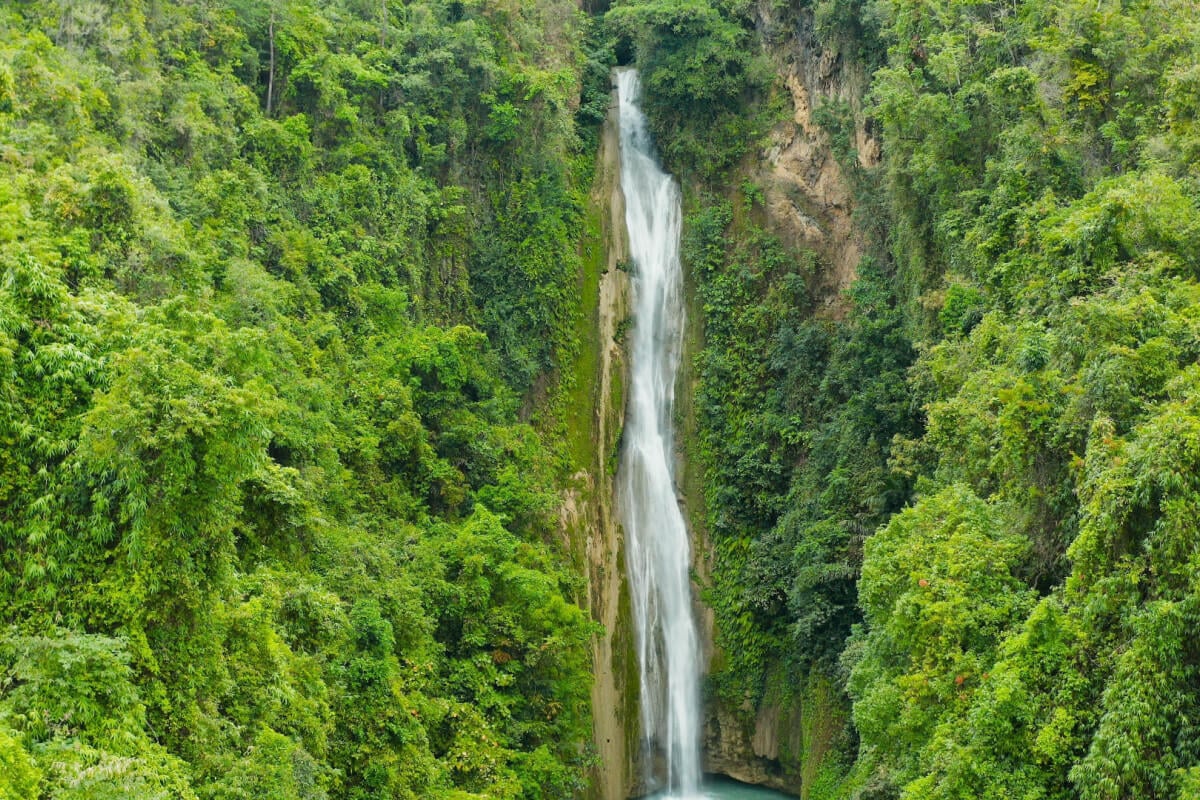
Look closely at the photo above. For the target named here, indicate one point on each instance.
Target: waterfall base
(721, 788)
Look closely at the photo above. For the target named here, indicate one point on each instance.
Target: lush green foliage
(1042, 189)
(796, 414)
(701, 78)
(274, 278)
(277, 281)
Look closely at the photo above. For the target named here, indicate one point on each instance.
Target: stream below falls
(722, 788)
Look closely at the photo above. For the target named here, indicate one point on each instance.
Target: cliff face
(809, 201)
(588, 514)
(809, 205)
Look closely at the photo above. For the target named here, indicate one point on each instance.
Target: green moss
(585, 369)
(824, 729)
(692, 479)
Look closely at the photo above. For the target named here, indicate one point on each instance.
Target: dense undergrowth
(972, 499)
(275, 282)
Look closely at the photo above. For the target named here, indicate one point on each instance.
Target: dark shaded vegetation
(701, 78)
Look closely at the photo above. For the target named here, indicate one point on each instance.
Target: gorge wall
(809, 200)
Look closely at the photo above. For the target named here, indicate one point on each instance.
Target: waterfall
(657, 548)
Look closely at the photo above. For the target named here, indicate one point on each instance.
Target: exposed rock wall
(784, 742)
(809, 201)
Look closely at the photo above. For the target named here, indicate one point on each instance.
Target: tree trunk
(271, 69)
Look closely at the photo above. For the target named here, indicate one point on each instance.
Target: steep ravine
(809, 206)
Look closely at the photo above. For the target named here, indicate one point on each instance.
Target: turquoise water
(725, 789)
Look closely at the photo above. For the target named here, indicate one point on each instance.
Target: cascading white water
(657, 549)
